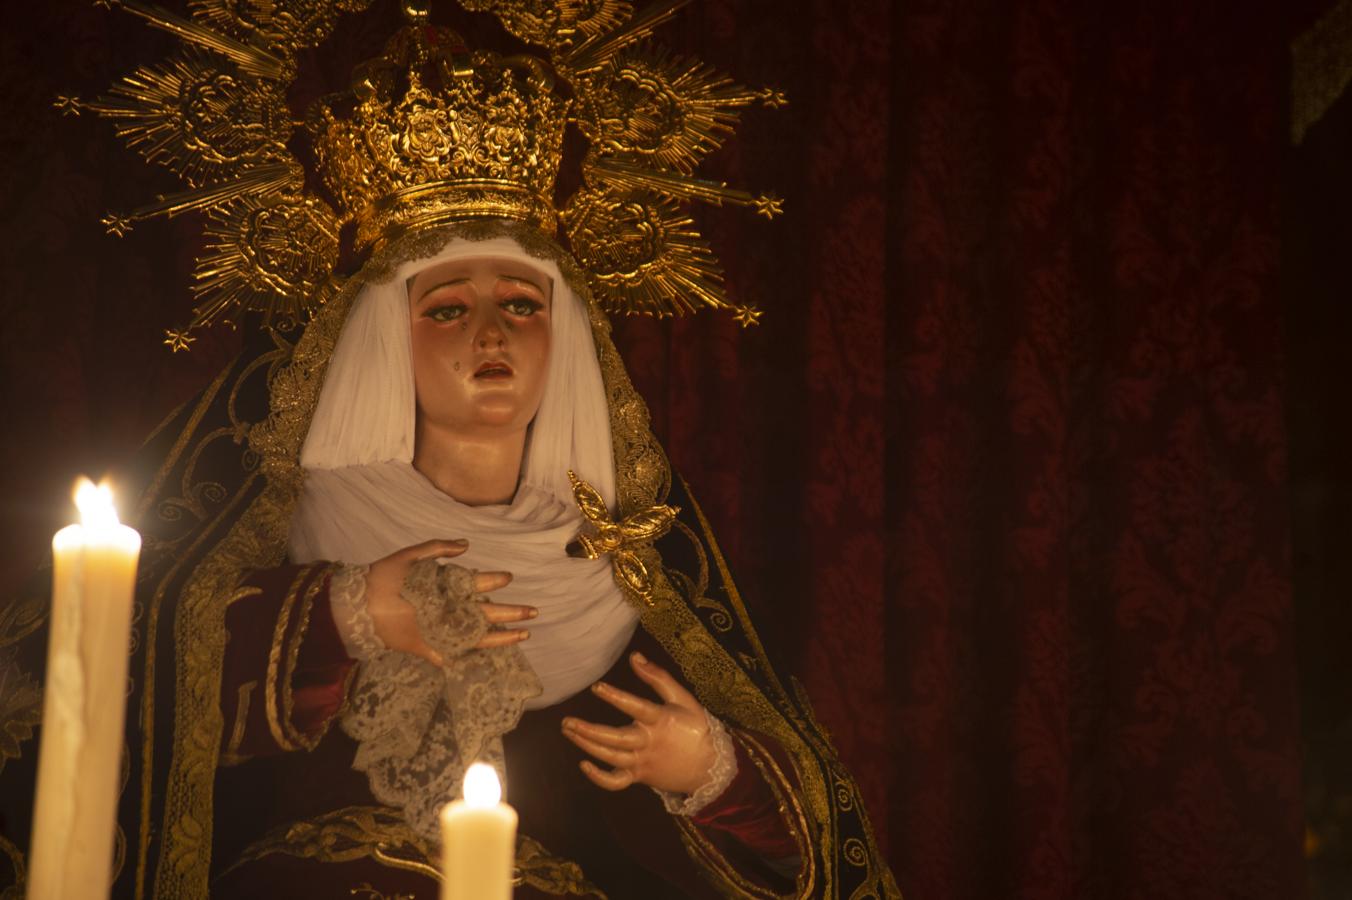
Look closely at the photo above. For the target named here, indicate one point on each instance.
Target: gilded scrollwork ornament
(651, 104)
(288, 26)
(20, 707)
(644, 254)
(555, 23)
(196, 115)
(275, 255)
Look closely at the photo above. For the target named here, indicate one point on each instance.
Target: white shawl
(363, 499)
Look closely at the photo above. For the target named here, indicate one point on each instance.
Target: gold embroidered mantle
(686, 617)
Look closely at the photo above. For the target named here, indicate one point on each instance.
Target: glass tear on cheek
(464, 326)
(457, 365)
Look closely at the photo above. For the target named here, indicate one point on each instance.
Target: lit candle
(478, 840)
(93, 579)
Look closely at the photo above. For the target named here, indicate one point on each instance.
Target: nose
(491, 334)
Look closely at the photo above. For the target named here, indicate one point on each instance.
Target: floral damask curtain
(1007, 460)
(1003, 471)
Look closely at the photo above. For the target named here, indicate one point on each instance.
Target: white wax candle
(84, 702)
(478, 840)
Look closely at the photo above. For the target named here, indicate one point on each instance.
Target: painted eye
(521, 306)
(445, 313)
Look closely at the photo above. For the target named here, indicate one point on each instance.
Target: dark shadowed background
(1037, 470)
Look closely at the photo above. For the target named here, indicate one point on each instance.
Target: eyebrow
(527, 282)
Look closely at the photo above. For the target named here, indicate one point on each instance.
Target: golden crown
(430, 133)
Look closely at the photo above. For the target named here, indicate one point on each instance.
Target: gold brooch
(622, 539)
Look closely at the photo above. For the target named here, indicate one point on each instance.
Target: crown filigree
(432, 132)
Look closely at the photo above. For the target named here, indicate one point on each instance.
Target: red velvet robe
(285, 679)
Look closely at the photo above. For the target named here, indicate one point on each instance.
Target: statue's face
(481, 337)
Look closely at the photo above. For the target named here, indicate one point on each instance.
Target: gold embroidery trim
(232, 756)
(151, 492)
(294, 734)
(153, 613)
(734, 595)
(20, 708)
(795, 819)
(380, 833)
(199, 645)
(643, 479)
(275, 677)
(876, 877)
(352, 832)
(366, 890)
(251, 543)
(22, 616)
(15, 891)
(537, 867)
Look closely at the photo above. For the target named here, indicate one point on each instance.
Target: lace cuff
(347, 599)
(418, 727)
(721, 774)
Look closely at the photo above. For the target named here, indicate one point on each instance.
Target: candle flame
(95, 503)
(481, 786)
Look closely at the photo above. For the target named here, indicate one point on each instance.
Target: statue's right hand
(394, 619)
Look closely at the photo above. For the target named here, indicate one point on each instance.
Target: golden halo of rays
(555, 23)
(216, 113)
(643, 254)
(662, 109)
(203, 119)
(599, 47)
(271, 255)
(287, 25)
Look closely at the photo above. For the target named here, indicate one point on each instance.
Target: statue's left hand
(668, 746)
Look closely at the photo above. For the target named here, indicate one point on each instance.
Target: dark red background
(1006, 471)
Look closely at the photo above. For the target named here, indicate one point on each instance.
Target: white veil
(367, 410)
(363, 499)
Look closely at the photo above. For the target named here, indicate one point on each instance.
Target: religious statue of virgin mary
(422, 521)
